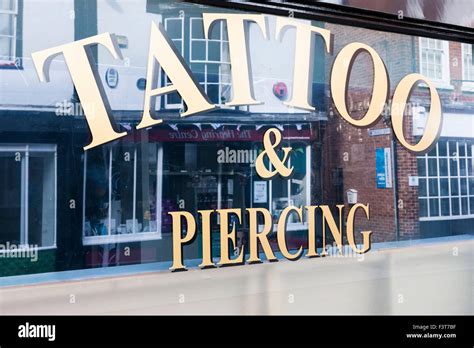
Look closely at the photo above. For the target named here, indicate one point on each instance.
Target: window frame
(16, 62)
(444, 82)
(127, 237)
(181, 18)
(449, 177)
(466, 50)
(26, 149)
(206, 61)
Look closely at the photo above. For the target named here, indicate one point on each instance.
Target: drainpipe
(393, 146)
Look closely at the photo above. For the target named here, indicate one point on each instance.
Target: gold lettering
(312, 250)
(281, 233)
(86, 79)
(350, 229)
(335, 231)
(178, 240)
(226, 236)
(340, 74)
(262, 237)
(206, 239)
(163, 51)
(433, 123)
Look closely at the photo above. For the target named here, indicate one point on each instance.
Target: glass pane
(97, 192)
(454, 187)
(453, 148)
(464, 206)
(453, 167)
(213, 93)
(455, 206)
(147, 155)
(445, 207)
(197, 31)
(434, 207)
(6, 25)
(298, 180)
(432, 167)
(123, 166)
(198, 71)
(215, 31)
(443, 167)
(444, 186)
(462, 167)
(7, 5)
(198, 50)
(433, 187)
(463, 186)
(471, 205)
(421, 166)
(213, 73)
(422, 187)
(6, 49)
(442, 148)
(214, 51)
(423, 208)
(41, 199)
(10, 197)
(174, 28)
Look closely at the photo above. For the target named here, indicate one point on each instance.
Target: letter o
(340, 71)
(433, 123)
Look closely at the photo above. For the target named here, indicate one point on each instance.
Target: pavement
(411, 278)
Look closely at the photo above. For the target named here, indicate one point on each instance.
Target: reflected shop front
(71, 201)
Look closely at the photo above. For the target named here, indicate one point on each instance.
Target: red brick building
(349, 153)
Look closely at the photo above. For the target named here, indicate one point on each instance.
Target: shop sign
(274, 159)
(383, 167)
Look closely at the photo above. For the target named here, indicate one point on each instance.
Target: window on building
(467, 66)
(121, 191)
(210, 60)
(446, 181)
(434, 60)
(175, 30)
(8, 31)
(28, 195)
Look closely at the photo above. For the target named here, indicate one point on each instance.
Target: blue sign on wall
(383, 167)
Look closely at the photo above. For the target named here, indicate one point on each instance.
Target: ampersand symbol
(269, 151)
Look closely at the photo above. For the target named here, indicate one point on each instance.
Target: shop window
(28, 195)
(195, 180)
(446, 189)
(293, 192)
(467, 67)
(434, 60)
(122, 189)
(8, 31)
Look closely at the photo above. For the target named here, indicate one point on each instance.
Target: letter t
(86, 78)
